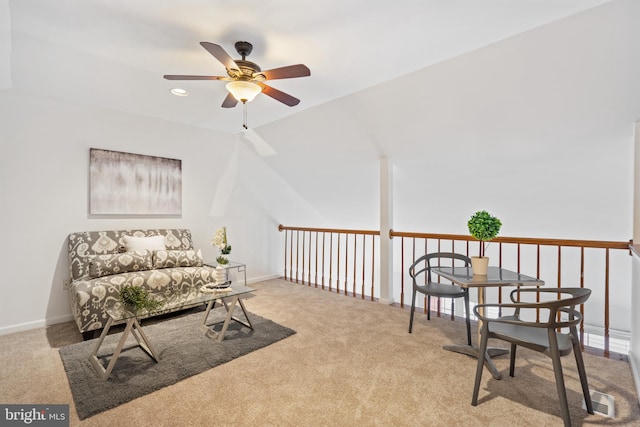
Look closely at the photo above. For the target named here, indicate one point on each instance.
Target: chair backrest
(576, 296)
(435, 260)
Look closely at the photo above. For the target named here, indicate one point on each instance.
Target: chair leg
(512, 361)
(482, 354)
(557, 370)
(468, 315)
(581, 371)
(428, 307)
(413, 309)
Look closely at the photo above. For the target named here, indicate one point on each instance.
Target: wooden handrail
(330, 230)
(522, 240)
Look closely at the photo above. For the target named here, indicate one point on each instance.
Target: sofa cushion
(170, 259)
(84, 244)
(152, 243)
(108, 264)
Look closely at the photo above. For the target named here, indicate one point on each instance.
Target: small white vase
(221, 275)
(479, 265)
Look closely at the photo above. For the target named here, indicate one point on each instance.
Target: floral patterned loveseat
(102, 262)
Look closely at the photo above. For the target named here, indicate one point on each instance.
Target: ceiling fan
(246, 79)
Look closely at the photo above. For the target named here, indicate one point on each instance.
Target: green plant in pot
(483, 227)
(138, 298)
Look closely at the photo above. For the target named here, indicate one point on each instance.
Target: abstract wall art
(133, 184)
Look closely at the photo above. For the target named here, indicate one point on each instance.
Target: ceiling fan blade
(179, 77)
(220, 54)
(279, 95)
(288, 72)
(229, 101)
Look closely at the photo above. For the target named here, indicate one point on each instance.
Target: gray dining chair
(420, 272)
(543, 335)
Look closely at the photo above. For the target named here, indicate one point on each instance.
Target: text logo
(34, 415)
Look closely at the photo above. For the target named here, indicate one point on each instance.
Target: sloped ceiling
(113, 54)
(542, 122)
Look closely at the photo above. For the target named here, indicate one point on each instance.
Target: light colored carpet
(351, 362)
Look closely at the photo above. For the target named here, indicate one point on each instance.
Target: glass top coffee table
(118, 313)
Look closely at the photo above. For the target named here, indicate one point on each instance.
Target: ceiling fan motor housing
(243, 48)
(248, 69)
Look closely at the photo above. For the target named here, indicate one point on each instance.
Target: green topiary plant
(483, 227)
(139, 298)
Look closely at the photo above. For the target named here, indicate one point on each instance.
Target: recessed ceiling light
(179, 92)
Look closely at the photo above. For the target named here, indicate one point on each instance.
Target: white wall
(44, 192)
(541, 123)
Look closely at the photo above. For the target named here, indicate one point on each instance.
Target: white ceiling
(113, 53)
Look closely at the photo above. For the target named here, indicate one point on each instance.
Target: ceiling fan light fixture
(243, 91)
(179, 92)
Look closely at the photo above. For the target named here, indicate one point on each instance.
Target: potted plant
(220, 241)
(138, 298)
(483, 227)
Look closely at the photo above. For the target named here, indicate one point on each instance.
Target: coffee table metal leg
(229, 306)
(103, 372)
(131, 326)
(244, 310)
(210, 305)
(227, 319)
(143, 341)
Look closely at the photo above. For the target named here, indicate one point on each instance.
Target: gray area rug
(182, 346)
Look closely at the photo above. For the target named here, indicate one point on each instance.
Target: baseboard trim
(634, 361)
(263, 278)
(6, 330)
(26, 326)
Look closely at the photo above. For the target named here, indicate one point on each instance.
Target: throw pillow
(106, 265)
(169, 259)
(152, 243)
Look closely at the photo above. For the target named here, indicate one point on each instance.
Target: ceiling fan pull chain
(244, 115)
